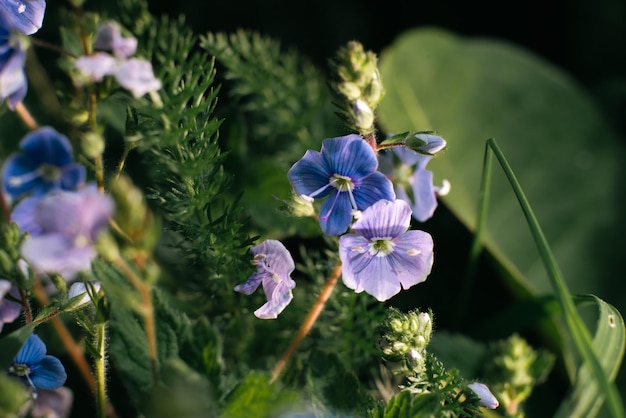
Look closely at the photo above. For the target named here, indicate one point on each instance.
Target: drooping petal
(278, 295)
(96, 66)
(274, 267)
(136, 75)
(49, 373)
(335, 214)
(13, 83)
(310, 174)
(384, 219)
(250, 285)
(25, 16)
(424, 197)
(32, 352)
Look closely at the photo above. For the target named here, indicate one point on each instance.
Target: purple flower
(134, 74)
(345, 171)
(412, 182)
(55, 403)
(486, 397)
(382, 256)
(68, 224)
(9, 310)
(13, 84)
(45, 163)
(109, 38)
(35, 368)
(274, 266)
(26, 16)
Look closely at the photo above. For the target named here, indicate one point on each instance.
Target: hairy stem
(100, 370)
(308, 321)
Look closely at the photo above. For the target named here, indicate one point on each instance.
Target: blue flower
(382, 256)
(486, 397)
(109, 38)
(413, 183)
(25, 16)
(274, 267)
(35, 368)
(345, 171)
(13, 84)
(67, 225)
(45, 163)
(9, 310)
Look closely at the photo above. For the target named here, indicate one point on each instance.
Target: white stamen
(413, 252)
(444, 189)
(21, 8)
(358, 249)
(306, 198)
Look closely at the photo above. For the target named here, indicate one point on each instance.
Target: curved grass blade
(586, 397)
(575, 325)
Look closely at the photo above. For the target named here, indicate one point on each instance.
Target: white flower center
(381, 247)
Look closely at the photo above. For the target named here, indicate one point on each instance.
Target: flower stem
(100, 370)
(308, 321)
(26, 117)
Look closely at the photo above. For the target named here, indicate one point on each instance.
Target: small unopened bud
(92, 144)
(486, 397)
(350, 90)
(78, 295)
(426, 144)
(364, 116)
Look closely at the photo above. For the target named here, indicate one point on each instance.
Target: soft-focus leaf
(564, 153)
(609, 342)
(11, 344)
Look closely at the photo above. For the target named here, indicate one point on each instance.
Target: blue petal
(278, 295)
(13, 83)
(412, 258)
(423, 194)
(74, 176)
(276, 258)
(47, 146)
(309, 174)
(17, 166)
(371, 189)
(23, 215)
(32, 352)
(338, 220)
(48, 374)
(349, 156)
(26, 16)
(251, 284)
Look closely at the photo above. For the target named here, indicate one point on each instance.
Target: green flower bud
(350, 90)
(92, 144)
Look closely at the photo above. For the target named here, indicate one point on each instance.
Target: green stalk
(100, 370)
(575, 325)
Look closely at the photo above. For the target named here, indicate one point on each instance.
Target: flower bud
(426, 144)
(364, 116)
(486, 397)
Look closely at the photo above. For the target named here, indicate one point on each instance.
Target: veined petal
(49, 373)
(24, 15)
(309, 174)
(412, 258)
(251, 284)
(354, 258)
(371, 189)
(336, 214)
(384, 219)
(349, 156)
(278, 295)
(377, 279)
(33, 351)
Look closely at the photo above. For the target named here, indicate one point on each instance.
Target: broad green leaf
(609, 342)
(11, 344)
(256, 396)
(566, 156)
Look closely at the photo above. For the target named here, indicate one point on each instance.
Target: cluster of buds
(405, 337)
(358, 86)
(516, 368)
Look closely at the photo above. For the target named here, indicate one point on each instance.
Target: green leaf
(11, 344)
(609, 342)
(563, 151)
(257, 397)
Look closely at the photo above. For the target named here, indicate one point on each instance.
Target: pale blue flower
(35, 368)
(133, 74)
(344, 172)
(381, 256)
(45, 162)
(68, 224)
(26, 16)
(274, 267)
(9, 310)
(412, 182)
